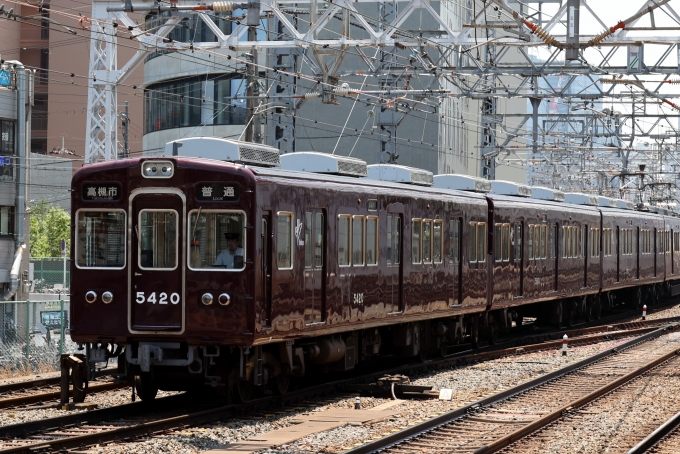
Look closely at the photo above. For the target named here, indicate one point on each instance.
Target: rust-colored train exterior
(239, 277)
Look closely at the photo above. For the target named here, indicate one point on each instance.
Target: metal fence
(49, 274)
(33, 335)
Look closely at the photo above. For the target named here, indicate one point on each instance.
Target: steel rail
(652, 439)
(446, 418)
(55, 395)
(39, 382)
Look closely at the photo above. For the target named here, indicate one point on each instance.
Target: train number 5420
(162, 298)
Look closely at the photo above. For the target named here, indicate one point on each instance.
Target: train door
(393, 277)
(266, 248)
(655, 251)
(455, 259)
(518, 263)
(618, 254)
(585, 255)
(556, 251)
(315, 269)
(157, 261)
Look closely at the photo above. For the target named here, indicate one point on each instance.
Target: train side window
(437, 243)
(481, 242)
(472, 242)
(284, 241)
(358, 240)
(676, 241)
(454, 234)
(565, 242)
(427, 241)
(530, 242)
(416, 225)
(343, 239)
(318, 239)
(100, 239)
(158, 242)
(371, 240)
(396, 245)
(517, 238)
(668, 241)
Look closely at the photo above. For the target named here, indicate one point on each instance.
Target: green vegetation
(49, 225)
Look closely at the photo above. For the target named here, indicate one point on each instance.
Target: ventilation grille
(261, 157)
(357, 168)
(422, 178)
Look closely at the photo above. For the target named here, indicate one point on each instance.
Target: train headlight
(107, 297)
(224, 299)
(207, 299)
(90, 297)
(157, 169)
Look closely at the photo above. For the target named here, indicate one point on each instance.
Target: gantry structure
(593, 94)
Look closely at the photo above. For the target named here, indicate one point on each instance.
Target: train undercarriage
(241, 373)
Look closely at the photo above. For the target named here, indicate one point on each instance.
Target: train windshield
(100, 239)
(217, 240)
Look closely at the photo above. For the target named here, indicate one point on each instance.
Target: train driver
(232, 256)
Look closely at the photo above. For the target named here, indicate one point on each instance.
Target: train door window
(396, 245)
(454, 235)
(158, 239)
(566, 241)
(343, 240)
(556, 242)
(217, 240)
(481, 242)
(437, 243)
(309, 245)
(100, 239)
(427, 241)
(472, 242)
(544, 240)
(416, 225)
(668, 241)
(497, 242)
(371, 240)
(506, 242)
(318, 239)
(517, 238)
(676, 241)
(358, 227)
(530, 242)
(284, 241)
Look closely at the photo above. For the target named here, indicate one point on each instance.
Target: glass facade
(7, 129)
(195, 101)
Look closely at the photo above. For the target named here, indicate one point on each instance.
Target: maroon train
(328, 271)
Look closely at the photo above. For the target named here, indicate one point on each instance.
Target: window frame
(419, 222)
(349, 240)
(376, 219)
(291, 244)
(362, 218)
(243, 235)
(440, 223)
(139, 240)
(125, 238)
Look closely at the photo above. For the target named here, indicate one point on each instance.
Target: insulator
(341, 91)
(312, 95)
(223, 7)
(546, 37)
(599, 38)
(673, 81)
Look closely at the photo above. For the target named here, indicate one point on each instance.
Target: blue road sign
(5, 80)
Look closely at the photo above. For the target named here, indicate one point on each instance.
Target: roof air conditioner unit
(400, 174)
(510, 188)
(311, 161)
(224, 150)
(576, 198)
(547, 194)
(462, 183)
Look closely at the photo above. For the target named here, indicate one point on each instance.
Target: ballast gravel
(469, 383)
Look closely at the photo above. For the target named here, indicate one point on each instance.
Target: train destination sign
(101, 191)
(216, 192)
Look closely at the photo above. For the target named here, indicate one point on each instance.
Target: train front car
(163, 269)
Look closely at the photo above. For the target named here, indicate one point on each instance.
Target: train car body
(207, 272)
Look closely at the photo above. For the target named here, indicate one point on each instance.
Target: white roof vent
(310, 161)
(576, 198)
(510, 188)
(606, 202)
(400, 174)
(547, 194)
(462, 183)
(224, 150)
(624, 204)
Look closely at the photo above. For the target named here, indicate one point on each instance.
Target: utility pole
(252, 90)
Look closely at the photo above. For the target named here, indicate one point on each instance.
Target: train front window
(157, 239)
(100, 239)
(217, 240)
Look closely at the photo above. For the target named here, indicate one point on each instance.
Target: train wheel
(282, 384)
(146, 387)
(244, 390)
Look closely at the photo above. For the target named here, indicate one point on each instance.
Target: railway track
(495, 422)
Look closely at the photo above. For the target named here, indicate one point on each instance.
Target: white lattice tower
(101, 134)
